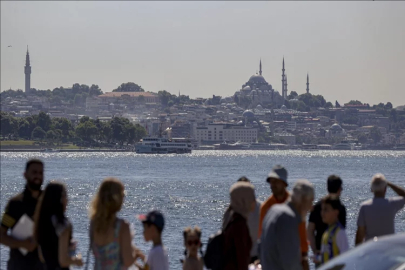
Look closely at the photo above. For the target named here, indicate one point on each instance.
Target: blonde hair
(190, 231)
(106, 203)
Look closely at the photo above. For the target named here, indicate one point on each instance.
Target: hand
(78, 260)
(29, 244)
(139, 254)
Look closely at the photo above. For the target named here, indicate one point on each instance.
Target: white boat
(343, 145)
(309, 147)
(50, 150)
(159, 145)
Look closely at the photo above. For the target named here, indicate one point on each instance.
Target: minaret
(283, 82)
(307, 83)
(285, 87)
(27, 72)
(260, 67)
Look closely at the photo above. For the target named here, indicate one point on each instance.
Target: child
(153, 224)
(192, 242)
(334, 239)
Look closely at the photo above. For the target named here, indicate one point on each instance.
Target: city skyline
(205, 57)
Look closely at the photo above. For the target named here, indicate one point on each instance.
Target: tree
(38, 133)
(95, 90)
(292, 95)
(355, 102)
(328, 105)
(86, 130)
(44, 121)
(375, 134)
(129, 87)
(164, 97)
(362, 138)
(388, 106)
(8, 124)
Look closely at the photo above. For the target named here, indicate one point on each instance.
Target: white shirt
(158, 259)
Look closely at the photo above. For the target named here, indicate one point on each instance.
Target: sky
(351, 49)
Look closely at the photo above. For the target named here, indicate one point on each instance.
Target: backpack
(213, 253)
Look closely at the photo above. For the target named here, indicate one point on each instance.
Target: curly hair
(106, 203)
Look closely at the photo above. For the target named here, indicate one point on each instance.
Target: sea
(193, 189)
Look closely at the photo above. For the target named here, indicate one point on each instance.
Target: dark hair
(333, 201)
(32, 162)
(243, 179)
(49, 205)
(160, 230)
(334, 183)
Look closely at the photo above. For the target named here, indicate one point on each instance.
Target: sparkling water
(192, 189)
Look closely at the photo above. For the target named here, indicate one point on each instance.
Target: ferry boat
(159, 145)
(49, 150)
(309, 147)
(343, 145)
(232, 146)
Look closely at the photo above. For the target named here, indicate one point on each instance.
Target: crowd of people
(273, 234)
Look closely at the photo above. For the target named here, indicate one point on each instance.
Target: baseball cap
(278, 172)
(154, 217)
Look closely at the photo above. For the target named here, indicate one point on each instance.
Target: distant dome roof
(248, 114)
(246, 88)
(283, 107)
(254, 92)
(259, 107)
(257, 79)
(336, 127)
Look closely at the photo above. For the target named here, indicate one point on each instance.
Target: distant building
(287, 137)
(133, 96)
(223, 132)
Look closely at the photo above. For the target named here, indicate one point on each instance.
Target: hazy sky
(352, 50)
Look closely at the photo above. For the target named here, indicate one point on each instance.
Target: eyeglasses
(195, 242)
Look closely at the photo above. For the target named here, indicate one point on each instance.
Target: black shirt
(17, 206)
(320, 227)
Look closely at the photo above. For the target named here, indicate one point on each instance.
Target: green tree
(9, 124)
(164, 97)
(86, 130)
(362, 138)
(292, 95)
(44, 121)
(328, 105)
(355, 102)
(129, 87)
(375, 134)
(95, 90)
(38, 133)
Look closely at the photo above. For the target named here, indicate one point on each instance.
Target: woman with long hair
(53, 231)
(111, 236)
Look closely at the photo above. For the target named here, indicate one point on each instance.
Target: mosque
(260, 92)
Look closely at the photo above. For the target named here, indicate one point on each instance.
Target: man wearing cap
(277, 179)
(153, 224)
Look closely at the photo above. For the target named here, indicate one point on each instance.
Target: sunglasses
(195, 242)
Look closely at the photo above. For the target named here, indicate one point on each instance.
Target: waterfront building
(219, 132)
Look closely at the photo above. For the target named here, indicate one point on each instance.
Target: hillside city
(255, 116)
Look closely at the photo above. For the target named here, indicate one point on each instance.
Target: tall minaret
(283, 82)
(27, 71)
(307, 83)
(260, 67)
(285, 87)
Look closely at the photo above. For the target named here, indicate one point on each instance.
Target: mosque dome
(259, 107)
(283, 107)
(258, 79)
(254, 92)
(247, 88)
(248, 114)
(336, 127)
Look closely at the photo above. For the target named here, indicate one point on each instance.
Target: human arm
(360, 235)
(9, 219)
(65, 260)
(129, 253)
(311, 237)
(398, 190)
(261, 217)
(361, 227)
(342, 242)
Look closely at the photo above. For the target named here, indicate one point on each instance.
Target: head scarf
(242, 196)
